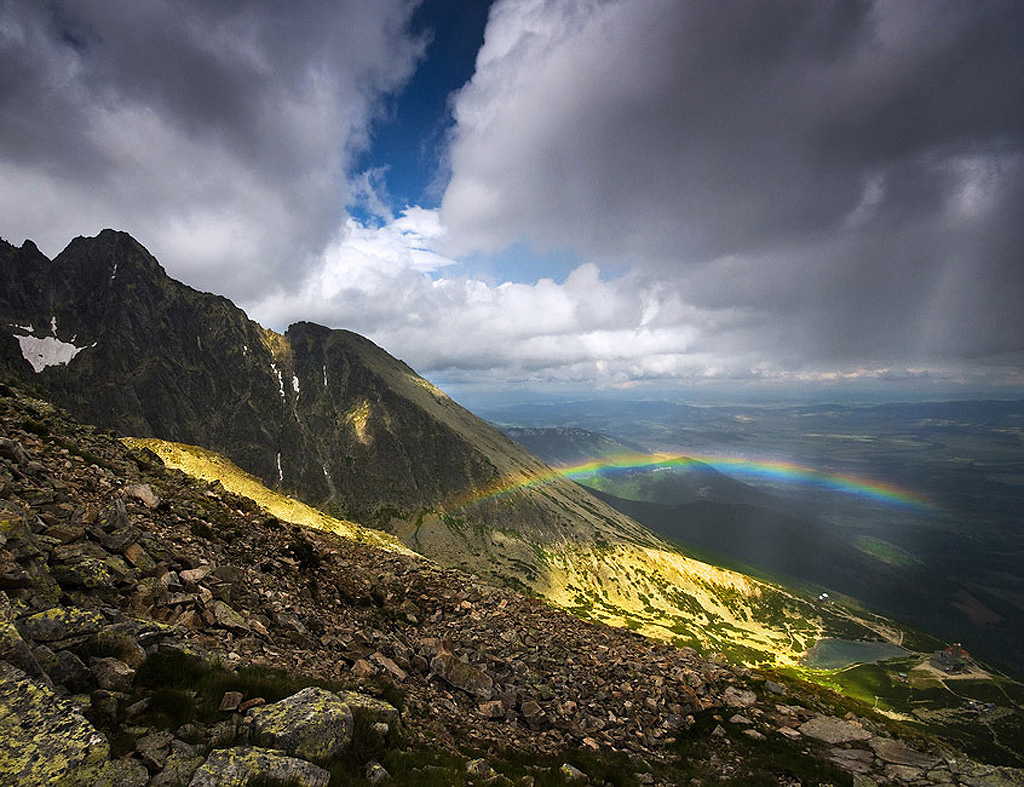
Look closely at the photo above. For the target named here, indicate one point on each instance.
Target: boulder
(237, 767)
(59, 623)
(377, 710)
(45, 738)
(14, 649)
(226, 617)
(123, 773)
(313, 724)
(463, 675)
(898, 754)
(833, 730)
(112, 674)
(738, 698)
(178, 770)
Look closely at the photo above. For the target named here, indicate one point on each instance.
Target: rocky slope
(330, 417)
(157, 630)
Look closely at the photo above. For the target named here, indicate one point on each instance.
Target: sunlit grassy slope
(616, 576)
(209, 466)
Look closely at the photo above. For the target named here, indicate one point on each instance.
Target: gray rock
(572, 773)
(463, 676)
(112, 674)
(145, 493)
(389, 665)
(480, 769)
(70, 671)
(376, 773)
(852, 760)
(13, 649)
(45, 738)
(152, 749)
(313, 724)
(237, 767)
(738, 698)
(833, 730)
(899, 754)
(775, 688)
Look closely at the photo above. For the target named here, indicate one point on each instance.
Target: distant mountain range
(329, 417)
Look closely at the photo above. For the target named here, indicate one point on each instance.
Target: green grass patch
(885, 551)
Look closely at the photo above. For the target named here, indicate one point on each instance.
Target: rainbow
(786, 472)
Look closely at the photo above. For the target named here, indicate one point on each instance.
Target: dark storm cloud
(839, 181)
(218, 133)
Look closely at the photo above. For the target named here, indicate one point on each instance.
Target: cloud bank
(823, 185)
(219, 134)
(806, 192)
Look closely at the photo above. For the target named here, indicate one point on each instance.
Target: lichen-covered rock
(14, 649)
(314, 724)
(45, 739)
(375, 709)
(236, 767)
(228, 618)
(178, 770)
(123, 773)
(60, 623)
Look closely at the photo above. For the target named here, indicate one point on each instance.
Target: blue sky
(555, 197)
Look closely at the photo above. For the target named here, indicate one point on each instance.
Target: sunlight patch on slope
(358, 417)
(668, 596)
(209, 466)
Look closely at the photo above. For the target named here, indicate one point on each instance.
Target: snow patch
(327, 475)
(113, 272)
(43, 351)
(295, 383)
(280, 379)
(280, 472)
(325, 375)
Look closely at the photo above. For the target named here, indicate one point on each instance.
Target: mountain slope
(332, 418)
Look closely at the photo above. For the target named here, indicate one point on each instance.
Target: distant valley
(945, 557)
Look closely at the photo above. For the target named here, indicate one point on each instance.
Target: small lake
(839, 653)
